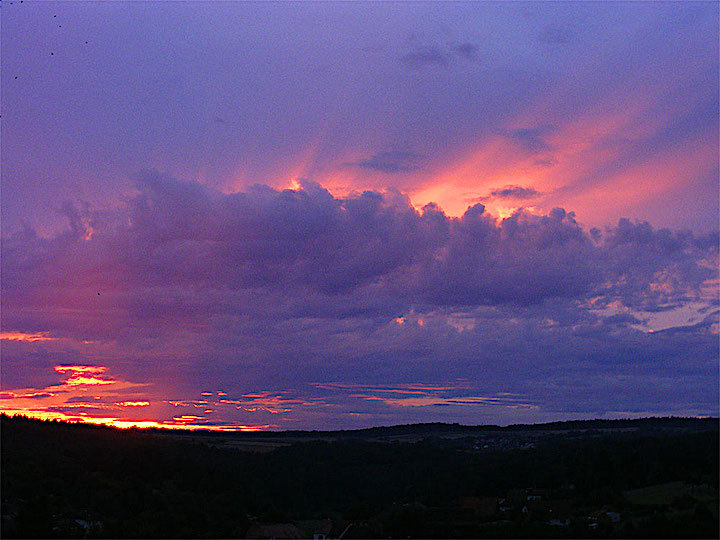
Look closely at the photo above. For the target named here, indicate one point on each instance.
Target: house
(10, 508)
(516, 497)
(519, 499)
(556, 511)
(535, 494)
(317, 529)
(604, 515)
(77, 525)
(504, 505)
(274, 530)
(359, 530)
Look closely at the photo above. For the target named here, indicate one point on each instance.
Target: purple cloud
(421, 57)
(513, 192)
(555, 34)
(271, 293)
(389, 162)
(466, 50)
(177, 233)
(532, 139)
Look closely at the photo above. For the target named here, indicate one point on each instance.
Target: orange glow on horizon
(71, 400)
(128, 424)
(26, 336)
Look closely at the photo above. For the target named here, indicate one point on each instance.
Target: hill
(649, 477)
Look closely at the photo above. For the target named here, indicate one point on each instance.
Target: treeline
(439, 428)
(139, 484)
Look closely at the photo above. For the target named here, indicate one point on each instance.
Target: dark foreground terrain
(636, 478)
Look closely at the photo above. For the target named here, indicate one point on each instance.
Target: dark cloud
(513, 192)
(544, 162)
(276, 290)
(425, 56)
(439, 55)
(389, 162)
(466, 50)
(178, 233)
(81, 399)
(532, 139)
(555, 35)
(622, 319)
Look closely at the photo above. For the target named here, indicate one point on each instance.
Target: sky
(227, 215)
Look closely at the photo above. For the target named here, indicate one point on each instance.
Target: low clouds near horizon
(298, 308)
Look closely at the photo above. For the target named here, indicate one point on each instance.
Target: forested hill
(635, 478)
(433, 428)
(645, 424)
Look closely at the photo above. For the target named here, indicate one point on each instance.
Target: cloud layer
(308, 310)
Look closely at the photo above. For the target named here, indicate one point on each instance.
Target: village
(544, 512)
(540, 511)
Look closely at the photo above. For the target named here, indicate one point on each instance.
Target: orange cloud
(70, 399)
(26, 336)
(132, 403)
(80, 369)
(83, 375)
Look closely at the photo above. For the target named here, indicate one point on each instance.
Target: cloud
(175, 234)
(83, 399)
(555, 35)
(271, 302)
(532, 139)
(466, 50)
(23, 336)
(389, 162)
(439, 55)
(421, 57)
(513, 192)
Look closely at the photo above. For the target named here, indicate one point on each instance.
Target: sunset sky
(339, 215)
